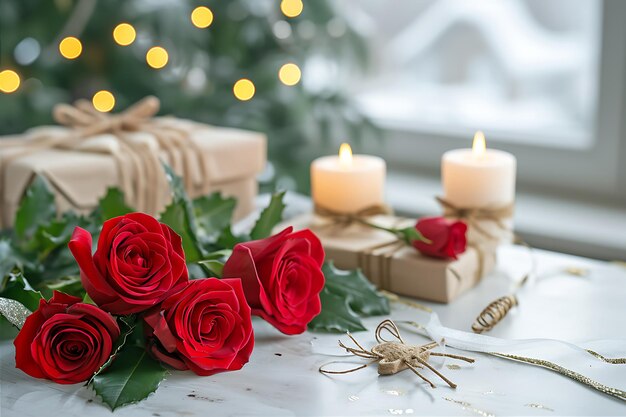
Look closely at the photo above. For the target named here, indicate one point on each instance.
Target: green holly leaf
(228, 240)
(176, 217)
(213, 267)
(16, 287)
(270, 217)
(347, 296)
(127, 327)
(179, 215)
(111, 205)
(336, 315)
(70, 284)
(132, 377)
(37, 207)
(55, 234)
(9, 258)
(213, 215)
(354, 287)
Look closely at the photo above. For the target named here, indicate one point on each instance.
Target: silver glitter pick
(14, 311)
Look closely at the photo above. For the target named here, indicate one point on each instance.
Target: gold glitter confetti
(539, 406)
(577, 271)
(453, 367)
(14, 311)
(469, 407)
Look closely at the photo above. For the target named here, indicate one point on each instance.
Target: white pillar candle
(347, 183)
(478, 177)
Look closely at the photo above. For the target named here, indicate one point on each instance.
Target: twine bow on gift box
(473, 216)
(137, 156)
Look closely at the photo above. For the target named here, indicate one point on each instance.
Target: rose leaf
(37, 207)
(270, 217)
(132, 377)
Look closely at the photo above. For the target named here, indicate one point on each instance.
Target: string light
(103, 101)
(289, 74)
(291, 8)
(70, 47)
(202, 17)
(244, 89)
(124, 34)
(9, 81)
(157, 57)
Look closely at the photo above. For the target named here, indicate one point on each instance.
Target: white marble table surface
(282, 377)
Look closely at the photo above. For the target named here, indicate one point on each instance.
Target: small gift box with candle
(479, 187)
(94, 151)
(357, 231)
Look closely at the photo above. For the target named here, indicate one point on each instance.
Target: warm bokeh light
(103, 101)
(202, 17)
(244, 89)
(70, 47)
(289, 74)
(9, 81)
(157, 57)
(291, 8)
(345, 155)
(479, 146)
(124, 34)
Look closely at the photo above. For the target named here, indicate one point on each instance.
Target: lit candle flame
(479, 145)
(345, 155)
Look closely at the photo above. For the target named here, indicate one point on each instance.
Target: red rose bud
(137, 264)
(206, 327)
(281, 277)
(65, 340)
(446, 236)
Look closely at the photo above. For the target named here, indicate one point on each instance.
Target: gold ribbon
(138, 161)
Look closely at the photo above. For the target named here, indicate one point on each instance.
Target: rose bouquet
(176, 292)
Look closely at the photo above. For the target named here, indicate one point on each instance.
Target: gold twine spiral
(493, 313)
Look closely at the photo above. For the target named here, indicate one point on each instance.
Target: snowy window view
(523, 70)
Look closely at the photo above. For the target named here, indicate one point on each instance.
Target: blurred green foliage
(301, 122)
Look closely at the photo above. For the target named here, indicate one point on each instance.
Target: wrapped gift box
(81, 176)
(395, 267)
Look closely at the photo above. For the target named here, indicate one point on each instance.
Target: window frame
(590, 172)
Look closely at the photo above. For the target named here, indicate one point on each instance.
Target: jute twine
(141, 174)
(395, 355)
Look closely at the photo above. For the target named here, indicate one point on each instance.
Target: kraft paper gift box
(80, 176)
(394, 266)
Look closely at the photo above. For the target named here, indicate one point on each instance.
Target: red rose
(282, 277)
(65, 340)
(447, 237)
(206, 327)
(137, 264)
